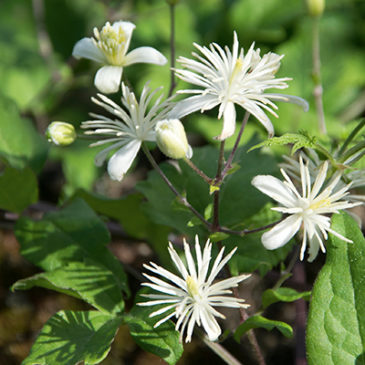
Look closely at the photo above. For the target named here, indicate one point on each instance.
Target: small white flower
(110, 47)
(128, 131)
(191, 297)
(307, 210)
(227, 78)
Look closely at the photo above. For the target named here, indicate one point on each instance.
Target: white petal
(210, 325)
(229, 122)
(122, 160)
(86, 48)
(275, 189)
(280, 234)
(128, 28)
(145, 55)
(107, 79)
(192, 104)
(290, 99)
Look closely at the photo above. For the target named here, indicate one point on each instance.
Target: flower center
(192, 285)
(236, 70)
(320, 204)
(112, 43)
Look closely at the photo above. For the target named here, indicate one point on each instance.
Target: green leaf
(75, 234)
(18, 189)
(336, 320)
(162, 341)
(70, 337)
(262, 322)
(20, 144)
(85, 280)
(298, 141)
(251, 255)
(271, 296)
(128, 211)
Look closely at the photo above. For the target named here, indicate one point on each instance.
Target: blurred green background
(41, 82)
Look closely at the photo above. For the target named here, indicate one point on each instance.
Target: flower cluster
(192, 297)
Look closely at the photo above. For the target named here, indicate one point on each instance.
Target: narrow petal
(107, 79)
(210, 325)
(86, 48)
(289, 99)
(229, 122)
(145, 55)
(275, 189)
(192, 104)
(281, 233)
(122, 160)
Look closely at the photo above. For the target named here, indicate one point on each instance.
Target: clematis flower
(192, 296)
(126, 133)
(227, 78)
(109, 47)
(307, 211)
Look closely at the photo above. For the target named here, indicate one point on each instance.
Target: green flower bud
(61, 133)
(171, 139)
(316, 7)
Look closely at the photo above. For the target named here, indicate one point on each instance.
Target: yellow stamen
(192, 285)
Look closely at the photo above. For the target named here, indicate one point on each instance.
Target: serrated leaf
(18, 189)
(262, 322)
(298, 141)
(162, 341)
(336, 320)
(85, 280)
(271, 296)
(74, 234)
(70, 337)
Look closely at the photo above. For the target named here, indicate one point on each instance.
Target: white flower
(191, 297)
(227, 78)
(307, 210)
(128, 131)
(110, 47)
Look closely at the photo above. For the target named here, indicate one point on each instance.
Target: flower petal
(192, 104)
(289, 99)
(107, 79)
(275, 189)
(86, 48)
(281, 233)
(145, 55)
(122, 160)
(229, 122)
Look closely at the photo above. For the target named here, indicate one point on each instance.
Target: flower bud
(61, 133)
(316, 7)
(171, 139)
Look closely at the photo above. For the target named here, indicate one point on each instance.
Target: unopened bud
(171, 139)
(61, 133)
(316, 7)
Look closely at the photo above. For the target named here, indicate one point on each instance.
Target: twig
(216, 193)
(221, 352)
(182, 199)
(248, 231)
(235, 147)
(191, 164)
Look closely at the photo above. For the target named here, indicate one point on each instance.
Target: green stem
(221, 352)
(206, 178)
(182, 199)
(318, 89)
(216, 193)
(172, 48)
(353, 150)
(351, 137)
(235, 147)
